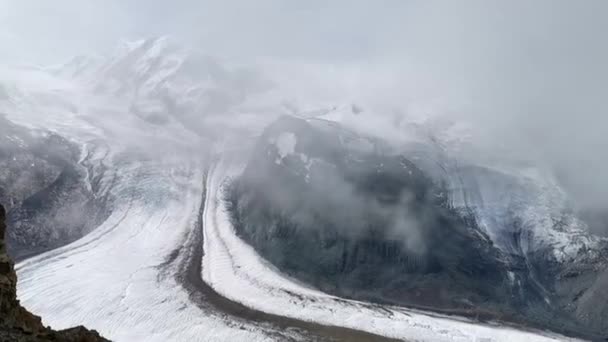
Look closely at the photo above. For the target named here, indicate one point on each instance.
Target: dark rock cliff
(16, 323)
(43, 183)
(348, 215)
(373, 226)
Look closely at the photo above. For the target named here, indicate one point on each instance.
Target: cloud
(530, 75)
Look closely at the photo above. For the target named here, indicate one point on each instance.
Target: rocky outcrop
(334, 210)
(16, 323)
(44, 182)
(357, 219)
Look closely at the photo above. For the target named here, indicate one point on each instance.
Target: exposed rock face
(16, 323)
(48, 197)
(350, 216)
(372, 225)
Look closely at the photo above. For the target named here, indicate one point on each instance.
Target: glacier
(133, 117)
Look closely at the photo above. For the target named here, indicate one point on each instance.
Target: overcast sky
(42, 30)
(535, 72)
(339, 29)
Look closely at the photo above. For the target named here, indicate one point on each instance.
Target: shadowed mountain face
(347, 215)
(49, 199)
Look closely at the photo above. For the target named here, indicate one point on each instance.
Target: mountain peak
(153, 47)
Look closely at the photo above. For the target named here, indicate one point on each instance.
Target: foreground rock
(16, 323)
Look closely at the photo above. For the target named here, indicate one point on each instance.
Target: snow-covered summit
(161, 81)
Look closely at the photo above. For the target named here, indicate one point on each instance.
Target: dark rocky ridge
(16, 323)
(342, 216)
(48, 201)
(343, 213)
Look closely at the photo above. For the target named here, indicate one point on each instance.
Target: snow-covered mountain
(162, 81)
(153, 131)
(417, 227)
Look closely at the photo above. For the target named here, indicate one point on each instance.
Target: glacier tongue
(112, 279)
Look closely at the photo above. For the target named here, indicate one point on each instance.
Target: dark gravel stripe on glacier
(281, 328)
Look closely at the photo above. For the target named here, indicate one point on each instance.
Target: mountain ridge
(298, 174)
